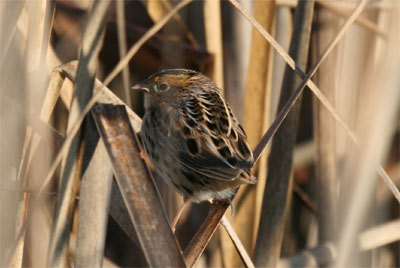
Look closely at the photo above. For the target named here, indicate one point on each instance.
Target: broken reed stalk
(72, 167)
(138, 189)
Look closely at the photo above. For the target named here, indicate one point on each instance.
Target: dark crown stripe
(174, 72)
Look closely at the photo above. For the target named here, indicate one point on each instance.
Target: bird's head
(164, 87)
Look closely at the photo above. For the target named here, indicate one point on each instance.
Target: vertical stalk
(278, 189)
(91, 44)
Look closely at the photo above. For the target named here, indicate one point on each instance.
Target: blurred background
(334, 202)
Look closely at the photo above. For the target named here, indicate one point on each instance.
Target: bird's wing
(215, 144)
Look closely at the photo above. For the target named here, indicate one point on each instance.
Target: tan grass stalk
(360, 20)
(213, 29)
(275, 125)
(380, 235)
(374, 127)
(277, 194)
(346, 6)
(237, 33)
(120, 7)
(307, 81)
(236, 241)
(256, 118)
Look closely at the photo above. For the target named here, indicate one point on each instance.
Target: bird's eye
(163, 87)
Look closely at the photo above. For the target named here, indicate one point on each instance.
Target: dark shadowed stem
(278, 188)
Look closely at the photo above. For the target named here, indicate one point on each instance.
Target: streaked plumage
(192, 137)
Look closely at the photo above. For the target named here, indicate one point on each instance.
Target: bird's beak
(141, 87)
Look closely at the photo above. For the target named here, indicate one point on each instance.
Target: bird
(192, 138)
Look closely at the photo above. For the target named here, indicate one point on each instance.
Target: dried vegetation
(315, 83)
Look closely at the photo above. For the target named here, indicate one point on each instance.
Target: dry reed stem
(14, 12)
(137, 187)
(117, 207)
(237, 54)
(158, 9)
(213, 30)
(120, 7)
(282, 114)
(306, 81)
(236, 241)
(256, 83)
(200, 240)
(380, 235)
(375, 128)
(94, 199)
(45, 183)
(277, 194)
(367, 24)
(120, 214)
(72, 167)
(153, 30)
(218, 212)
(373, 5)
(48, 134)
(324, 254)
(324, 128)
(305, 198)
(256, 118)
(36, 41)
(36, 131)
(389, 182)
(76, 126)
